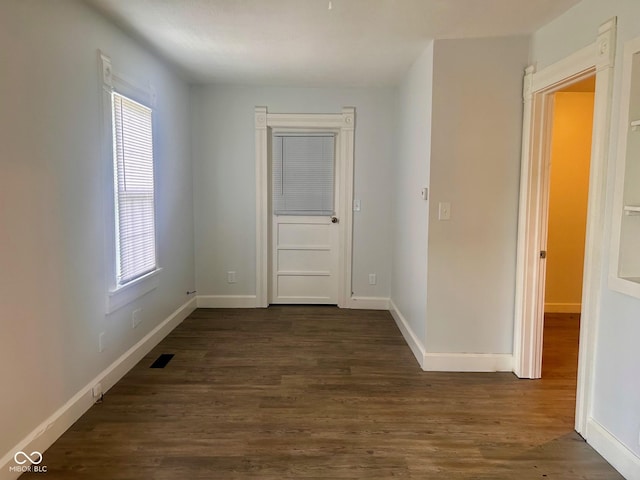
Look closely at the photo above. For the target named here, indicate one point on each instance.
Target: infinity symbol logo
(35, 458)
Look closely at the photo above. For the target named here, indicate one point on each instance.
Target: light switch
(424, 193)
(356, 205)
(444, 211)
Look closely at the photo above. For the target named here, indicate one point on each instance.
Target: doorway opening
(568, 192)
(596, 59)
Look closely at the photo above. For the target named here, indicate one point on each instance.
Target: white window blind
(303, 173)
(134, 189)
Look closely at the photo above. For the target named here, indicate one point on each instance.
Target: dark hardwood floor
(321, 393)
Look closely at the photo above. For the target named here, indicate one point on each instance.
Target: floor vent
(162, 360)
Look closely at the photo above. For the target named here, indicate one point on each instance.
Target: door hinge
(543, 254)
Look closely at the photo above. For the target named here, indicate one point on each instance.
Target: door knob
(334, 219)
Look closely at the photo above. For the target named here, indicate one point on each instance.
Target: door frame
(539, 87)
(344, 124)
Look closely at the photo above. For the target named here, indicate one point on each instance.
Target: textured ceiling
(303, 42)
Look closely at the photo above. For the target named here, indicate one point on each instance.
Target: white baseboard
(368, 303)
(613, 450)
(449, 362)
(226, 301)
(249, 301)
(45, 434)
(562, 307)
(468, 362)
(410, 337)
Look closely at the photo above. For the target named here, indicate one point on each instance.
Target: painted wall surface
(224, 179)
(475, 166)
(53, 184)
(616, 389)
(568, 193)
(410, 211)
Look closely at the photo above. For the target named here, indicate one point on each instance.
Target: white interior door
(305, 230)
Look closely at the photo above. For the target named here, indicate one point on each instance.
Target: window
(303, 174)
(133, 189)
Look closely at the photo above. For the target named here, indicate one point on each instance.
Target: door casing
(344, 125)
(596, 58)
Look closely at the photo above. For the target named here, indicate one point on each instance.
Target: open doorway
(570, 153)
(597, 60)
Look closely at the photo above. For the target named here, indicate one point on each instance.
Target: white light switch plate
(444, 211)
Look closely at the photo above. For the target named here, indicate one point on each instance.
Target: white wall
(53, 279)
(475, 166)
(224, 179)
(410, 211)
(616, 388)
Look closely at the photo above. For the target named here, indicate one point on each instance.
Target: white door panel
(304, 288)
(305, 260)
(314, 260)
(303, 231)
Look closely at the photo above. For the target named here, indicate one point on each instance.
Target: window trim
(118, 296)
(133, 290)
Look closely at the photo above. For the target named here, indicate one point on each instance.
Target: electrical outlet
(96, 391)
(231, 277)
(101, 344)
(372, 279)
(136, 317)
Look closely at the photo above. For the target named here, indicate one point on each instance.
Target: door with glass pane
(305, 228)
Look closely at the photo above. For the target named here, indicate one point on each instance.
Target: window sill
(126, 294)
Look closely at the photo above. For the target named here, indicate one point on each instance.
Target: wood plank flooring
(321, 393)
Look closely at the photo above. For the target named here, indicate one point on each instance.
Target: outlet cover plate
(136, 317)
(96, 391)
